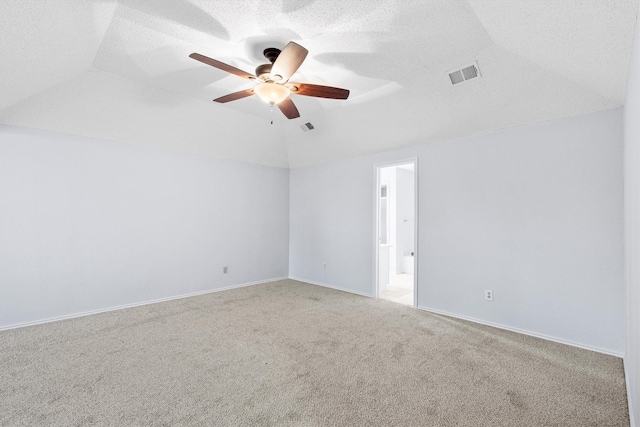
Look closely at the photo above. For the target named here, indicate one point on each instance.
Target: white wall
(404, 216)
(388, 177)
(89, 224)
(533, 213)
(632, 228)
(332, 221)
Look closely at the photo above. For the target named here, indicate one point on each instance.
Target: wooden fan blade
(288, 108)
(234, 96)
(318, 91)
(222, 66)
(288, 62)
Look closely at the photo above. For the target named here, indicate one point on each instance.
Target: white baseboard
(137, 304)
(629, 399)
(337, 288)
(524, 332)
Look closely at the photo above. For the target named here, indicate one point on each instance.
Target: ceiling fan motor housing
(264, 71)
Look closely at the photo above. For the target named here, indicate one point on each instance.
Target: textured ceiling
(120, 70)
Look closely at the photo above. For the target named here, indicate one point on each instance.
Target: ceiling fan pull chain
(272, 113)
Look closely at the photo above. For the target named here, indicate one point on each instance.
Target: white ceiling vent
(465, 73)
(307, 127)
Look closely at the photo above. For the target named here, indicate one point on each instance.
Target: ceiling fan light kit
(272, 79)
(272, 93)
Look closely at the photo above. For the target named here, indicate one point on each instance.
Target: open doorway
(396, 232)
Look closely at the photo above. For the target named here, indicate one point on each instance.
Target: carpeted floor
(292, 354)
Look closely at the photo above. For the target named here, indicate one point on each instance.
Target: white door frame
(376, 225)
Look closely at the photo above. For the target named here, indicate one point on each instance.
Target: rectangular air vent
(456, 77)
(465, 73)
(307, 127)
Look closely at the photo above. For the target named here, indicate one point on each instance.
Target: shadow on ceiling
(183, 13)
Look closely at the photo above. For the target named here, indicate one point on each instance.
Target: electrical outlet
(225, 270)
(488, 295)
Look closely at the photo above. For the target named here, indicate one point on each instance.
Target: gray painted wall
(88, 224)
(632, 228)
(534, 213)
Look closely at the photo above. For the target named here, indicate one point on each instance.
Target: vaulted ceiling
(120, 70)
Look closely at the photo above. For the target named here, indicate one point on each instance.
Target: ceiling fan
(273, 79)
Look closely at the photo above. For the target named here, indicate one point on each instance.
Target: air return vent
(465, 73)
(307, 127)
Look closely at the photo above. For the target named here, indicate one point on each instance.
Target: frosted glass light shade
(271, 93)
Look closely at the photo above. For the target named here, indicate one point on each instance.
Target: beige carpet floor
(292, 354)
